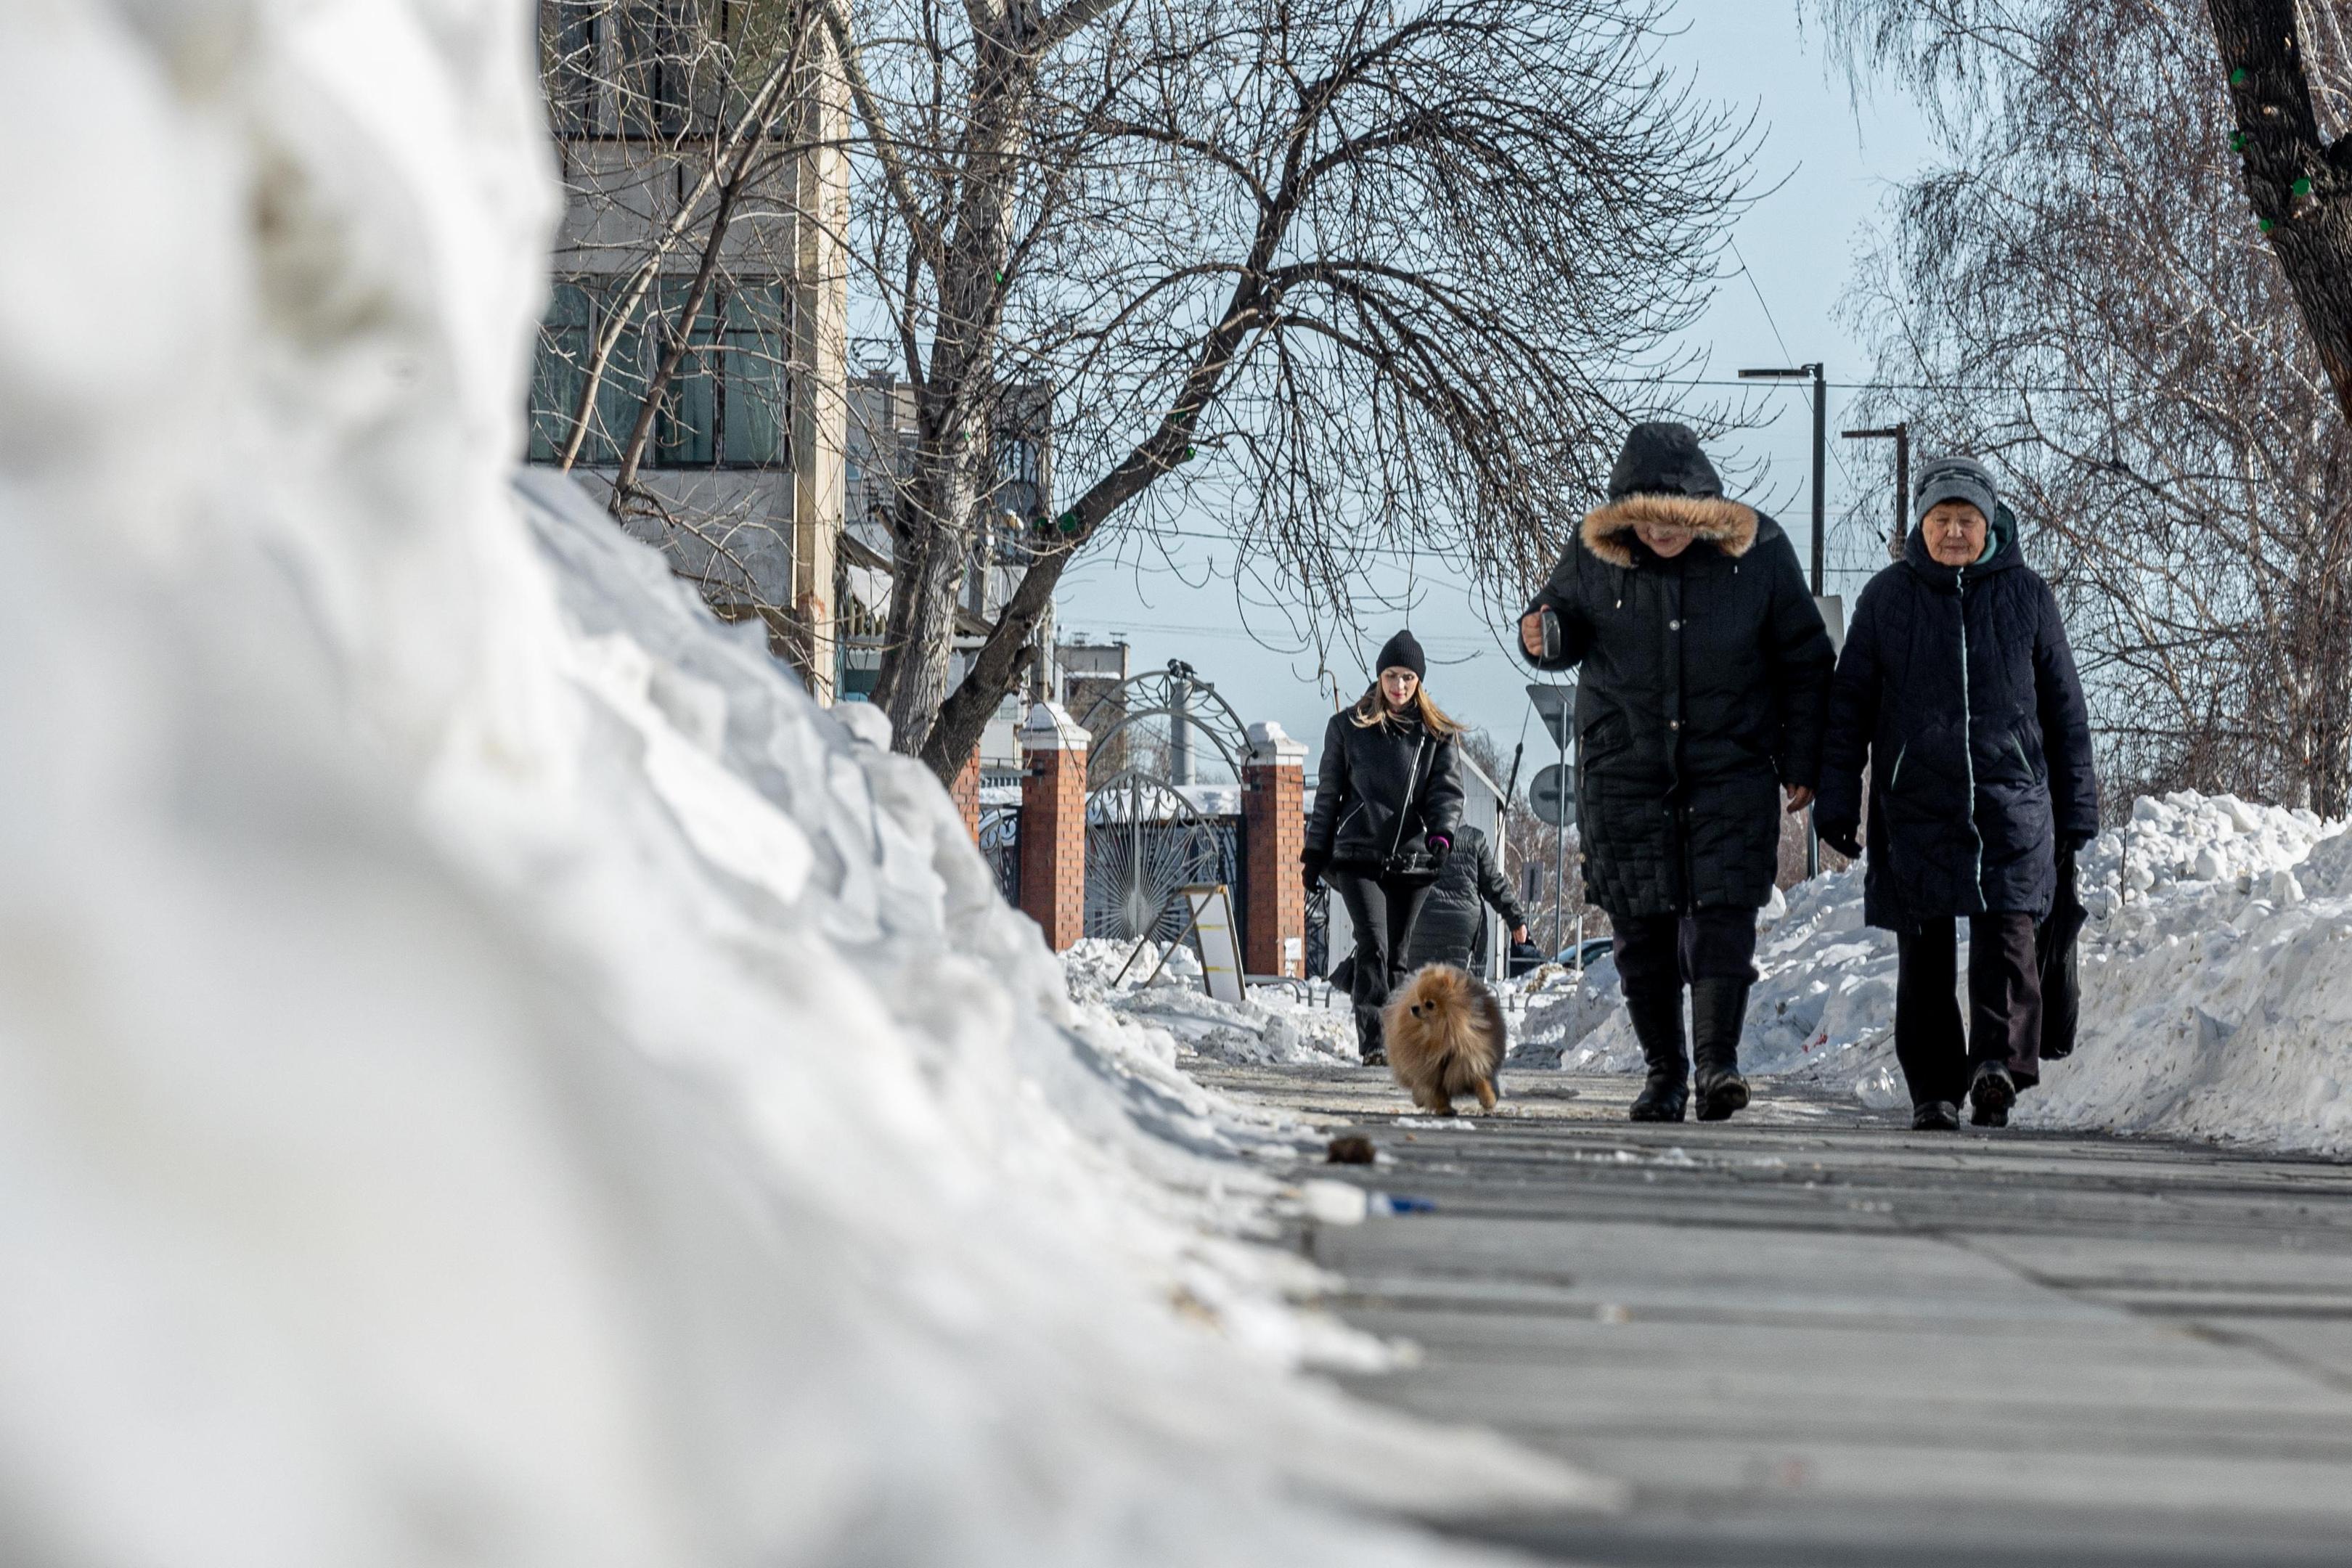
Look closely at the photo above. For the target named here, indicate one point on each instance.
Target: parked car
(1582, 954)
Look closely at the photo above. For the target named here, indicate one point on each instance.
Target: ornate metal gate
(1145, 840)
(1000, 845)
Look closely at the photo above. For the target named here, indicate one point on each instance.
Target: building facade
(693, 357)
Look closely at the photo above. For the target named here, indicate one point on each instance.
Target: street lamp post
(1821, 518)
(1900, 433)
(1821, 448)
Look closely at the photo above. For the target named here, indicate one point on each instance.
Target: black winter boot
(1718, 1012)
(1990, 1094)
(1658, 1025)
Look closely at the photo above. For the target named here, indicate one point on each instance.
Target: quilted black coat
(1704, 687)
(1959, 685)
(1447, 930)
(1379, 788)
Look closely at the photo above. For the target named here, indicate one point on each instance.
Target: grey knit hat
(1953, 478)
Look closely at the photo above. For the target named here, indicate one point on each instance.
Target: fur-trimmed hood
(1731, 527)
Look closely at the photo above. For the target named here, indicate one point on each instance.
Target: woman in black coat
(1957, 683)
(1703, 697)
(1387, 805)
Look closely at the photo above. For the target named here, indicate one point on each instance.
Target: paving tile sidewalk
(1811, 1337)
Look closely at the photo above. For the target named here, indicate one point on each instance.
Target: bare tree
(1344, 273)
(2081, 296)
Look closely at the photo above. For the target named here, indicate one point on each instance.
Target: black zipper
(1411, 778)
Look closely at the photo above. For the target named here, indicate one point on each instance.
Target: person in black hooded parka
(1703, 697)
(1454, 917)
(1388, 806)
(1957, 683)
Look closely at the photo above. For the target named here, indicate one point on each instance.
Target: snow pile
(2217, 993)
(2216, 972)
(1824, 1004)
(489, 1073)
(1275, 1025)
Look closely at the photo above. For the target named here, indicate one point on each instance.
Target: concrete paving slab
(1810, 1336)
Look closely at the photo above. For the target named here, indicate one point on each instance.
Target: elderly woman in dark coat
(1957, 684)
(1703, 697)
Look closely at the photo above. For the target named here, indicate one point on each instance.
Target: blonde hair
(1372, 709)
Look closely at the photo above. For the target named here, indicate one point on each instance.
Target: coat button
(1673, 626)
(1674, 723)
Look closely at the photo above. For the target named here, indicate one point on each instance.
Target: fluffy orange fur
(1445, 1037)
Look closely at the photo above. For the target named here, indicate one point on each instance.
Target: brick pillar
(965, 793)
(1054, 824)
(1274, 832)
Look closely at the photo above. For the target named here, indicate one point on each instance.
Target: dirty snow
(489, 1072)
(2217, 986)
(1275, 1024)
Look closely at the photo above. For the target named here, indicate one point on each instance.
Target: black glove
(1311, 869)
(1845, 837)
(1438, 846)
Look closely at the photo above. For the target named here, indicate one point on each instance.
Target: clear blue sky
(1831, 166)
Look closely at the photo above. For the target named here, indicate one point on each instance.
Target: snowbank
(2217, 986)
(489, 1073)
(1275, 1025)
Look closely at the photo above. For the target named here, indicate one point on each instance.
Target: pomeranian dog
(1445, 1037)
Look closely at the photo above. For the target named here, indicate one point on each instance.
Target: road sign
(1832, 609)
(1555, 705)
(1552, 796)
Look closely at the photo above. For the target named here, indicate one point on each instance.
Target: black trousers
(1382, 911)
(2004, 1005)
(1657, 955)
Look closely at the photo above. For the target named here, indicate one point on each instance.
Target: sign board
(1556, 705)
(1551, 794)
(1211, 912)
(1832, 609)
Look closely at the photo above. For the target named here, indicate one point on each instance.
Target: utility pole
(1820, 518)
(1900, 433)
(1821, 448)
(1820, 460)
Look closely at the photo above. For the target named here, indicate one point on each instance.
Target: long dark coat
(1959, 685)
(1704, 688)
(1381, 788)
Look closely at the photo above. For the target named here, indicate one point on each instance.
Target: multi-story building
(1092, 676)
(696, 338)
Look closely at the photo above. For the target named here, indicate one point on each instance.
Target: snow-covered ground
(2217, 986)
(490, 1073)
(1275, 1025)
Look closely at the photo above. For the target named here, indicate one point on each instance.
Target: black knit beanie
(1402, 651)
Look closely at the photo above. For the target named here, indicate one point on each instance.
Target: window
(685, 431)
(726, 405)
(571, 43)
(756, 386)
(560, 372)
